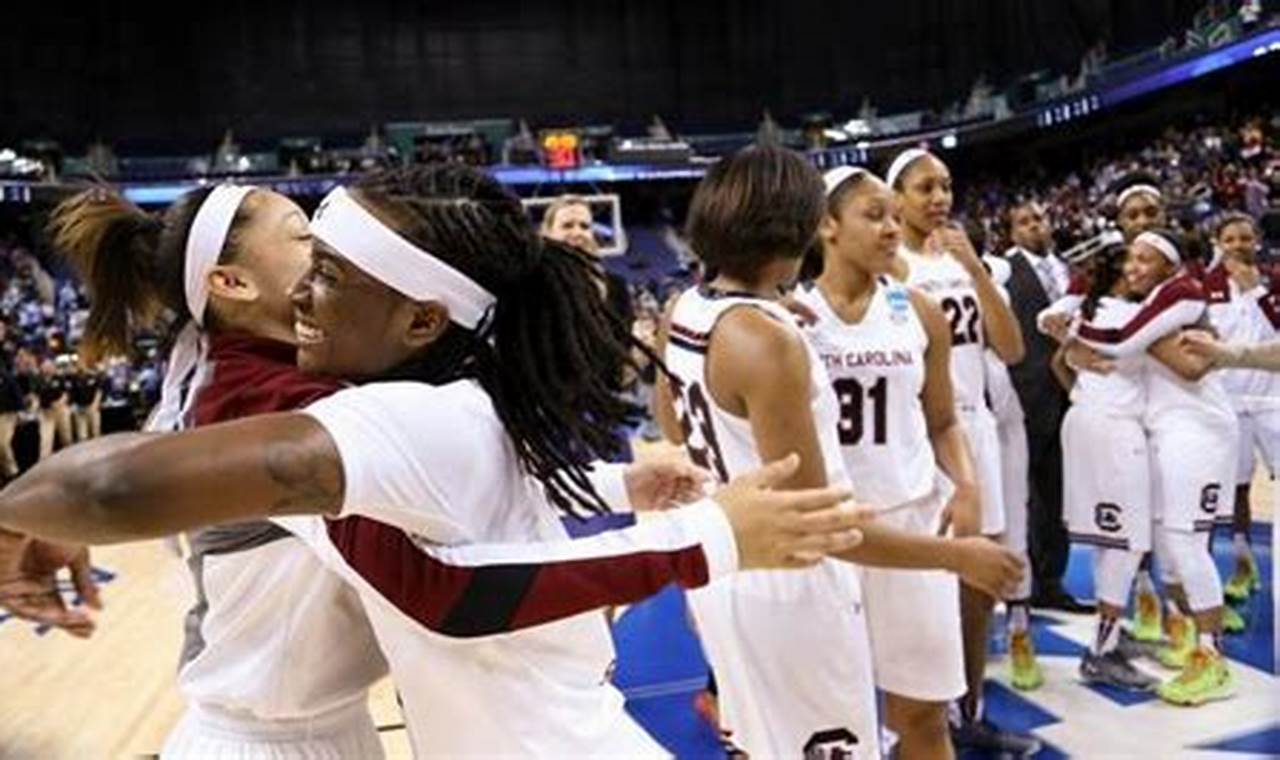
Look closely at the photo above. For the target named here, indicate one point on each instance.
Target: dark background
(174, 80)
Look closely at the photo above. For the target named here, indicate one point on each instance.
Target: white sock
(1240, 543)
(1209, 641)
(1019, 618)
(1144, 583)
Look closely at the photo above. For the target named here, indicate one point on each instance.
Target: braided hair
(549, 354)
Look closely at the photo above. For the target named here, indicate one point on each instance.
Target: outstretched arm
(133, 486)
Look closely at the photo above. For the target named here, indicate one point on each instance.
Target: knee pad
(1113, 574)
(1195, 568)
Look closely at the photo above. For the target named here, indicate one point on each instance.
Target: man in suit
(1037, 278)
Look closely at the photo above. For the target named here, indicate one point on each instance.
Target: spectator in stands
(86, 402)
(569, 220)
(55, 414)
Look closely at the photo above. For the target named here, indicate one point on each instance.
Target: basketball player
(789, 650)
(244, 571)
(1139, 204)
(886, 349)
(1193, 434)
(224, 258)
(1107, 468)
(369, 450)
(1245, 308)
(937, 258)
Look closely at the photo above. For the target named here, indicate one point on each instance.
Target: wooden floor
(114, 696)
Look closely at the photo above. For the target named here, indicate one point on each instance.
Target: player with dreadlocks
(472, 343)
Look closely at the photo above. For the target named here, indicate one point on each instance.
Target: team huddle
(373, 422)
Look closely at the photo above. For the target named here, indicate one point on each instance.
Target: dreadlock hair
(549, 353)
(1107, 268)
(133, 262)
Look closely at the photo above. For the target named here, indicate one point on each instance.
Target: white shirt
(877, 367)
(946, 281)
(435, 461)
(1052, 271)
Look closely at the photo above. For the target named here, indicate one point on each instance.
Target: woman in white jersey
(937, 258)
(224, 259)
(1193, 434)
(789, 651)
(1244, 307)
(432, 456)
(1107, 464)
(886, 348)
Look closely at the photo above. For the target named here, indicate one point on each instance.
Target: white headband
(383, 254)
(839, 175)
(1133, 190)
(900, 164)
(1161, 244)
(205, 241)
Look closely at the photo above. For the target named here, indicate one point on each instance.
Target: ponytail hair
(131, 261)
(1108, 268)
(551, 351)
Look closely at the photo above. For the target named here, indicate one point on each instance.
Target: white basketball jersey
(717, 440)
(944, 280)
(877, 369)
(1123, 392)
(1241, 320)
(759, 628)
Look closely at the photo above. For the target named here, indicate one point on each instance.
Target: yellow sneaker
(1232, 620)
(1205, 678)
(1244, 581)
(1146, 625)
(1181, 631)
(1022, 660)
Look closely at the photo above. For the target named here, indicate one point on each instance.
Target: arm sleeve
(1068, 305)
(1178, 305)
(483, 589)
(610, 482)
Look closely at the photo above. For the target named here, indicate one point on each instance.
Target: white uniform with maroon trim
(537, 692)
(947, 282)
(789, 648)
(877, 367)
(1192, 429)
(1248, 318)
(1106, 463)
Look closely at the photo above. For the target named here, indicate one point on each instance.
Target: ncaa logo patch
(899, 304)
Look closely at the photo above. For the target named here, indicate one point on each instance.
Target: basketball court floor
(114, 696)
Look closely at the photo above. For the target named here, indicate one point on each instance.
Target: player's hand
(29, 582)
(787, 529)
(1082, 358)
(805, 315)
(952, 239)
(988, 566)
(664, 483)
(1202, 344)
(962, 515)
(1056, 326)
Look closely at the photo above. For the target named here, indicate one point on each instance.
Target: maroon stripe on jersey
(1181, 288)
(678, 342)
(497, 598)
(1270, 305)
(557, 588)
(691, 335)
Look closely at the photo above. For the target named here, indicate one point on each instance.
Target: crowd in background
(49, 398)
